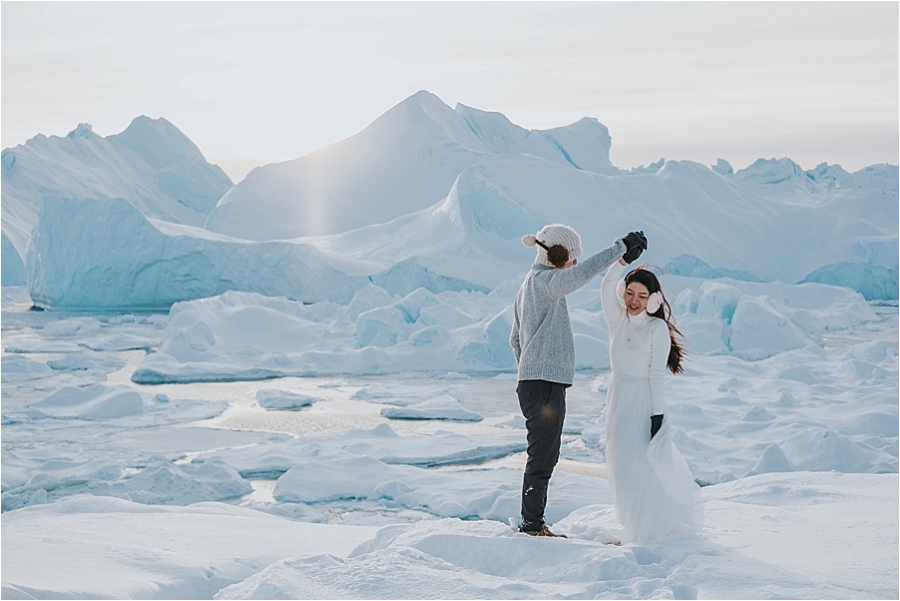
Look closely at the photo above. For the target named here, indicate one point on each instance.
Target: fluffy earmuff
(654, 302)
(620, 289)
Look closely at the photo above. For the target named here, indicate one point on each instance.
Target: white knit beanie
(551, 235)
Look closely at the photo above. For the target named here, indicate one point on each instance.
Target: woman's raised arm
(613, 311)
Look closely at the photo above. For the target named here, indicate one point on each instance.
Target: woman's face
(636, 295)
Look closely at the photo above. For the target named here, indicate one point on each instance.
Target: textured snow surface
(111, 548)
(770, 536)
(776, 535)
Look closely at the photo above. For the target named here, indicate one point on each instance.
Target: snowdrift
(482, 560)
(151, 164)
(778, 535)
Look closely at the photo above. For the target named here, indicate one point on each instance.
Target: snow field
(813, 408)
(327, 368)
(807, 535)
(101, 547)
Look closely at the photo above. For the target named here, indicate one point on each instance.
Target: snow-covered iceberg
(151, 164)
(242, 336)
(134, 263)
(427, 197)
(405, 161)
(248, 336)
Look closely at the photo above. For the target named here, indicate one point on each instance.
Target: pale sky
(252, 83)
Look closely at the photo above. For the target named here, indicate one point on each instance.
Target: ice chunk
(160, 483)
(75, 326)
(384, 326)
(97, 402)
(800, 374)
(686, 302)
(83, 361)
(17, 368)
(759, 331)
(270, 398)
(440, 407)
(410, 275)
(718, 300)
(121, 405)
(118, 342)
(366, 298)
(492, 346)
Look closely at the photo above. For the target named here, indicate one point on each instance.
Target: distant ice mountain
(405, 161)
(738, 230)
(787, 174)
(428, 197)
(151, 164)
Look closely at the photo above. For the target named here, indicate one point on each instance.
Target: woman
(653, 488)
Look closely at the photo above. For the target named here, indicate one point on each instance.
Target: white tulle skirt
(652, 485)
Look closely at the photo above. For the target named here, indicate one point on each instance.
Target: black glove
(635, 244)
(655, 424)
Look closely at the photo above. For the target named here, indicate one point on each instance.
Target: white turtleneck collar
(639, 319)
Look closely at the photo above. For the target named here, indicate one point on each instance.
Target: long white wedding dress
(652, 485)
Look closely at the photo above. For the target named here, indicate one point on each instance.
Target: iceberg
(873, 281)
(409, 157)
(134, 263)
(425, 197)
(151, 164)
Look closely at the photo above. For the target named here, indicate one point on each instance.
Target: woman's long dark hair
(644, 276)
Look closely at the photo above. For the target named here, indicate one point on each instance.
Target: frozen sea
(402, 485)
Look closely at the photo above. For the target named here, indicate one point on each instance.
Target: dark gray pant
(544, 407)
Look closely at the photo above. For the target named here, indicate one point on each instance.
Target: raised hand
(635, 243)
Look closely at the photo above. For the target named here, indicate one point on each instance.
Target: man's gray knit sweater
(541, 335)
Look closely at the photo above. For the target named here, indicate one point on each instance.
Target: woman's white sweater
(638, 344)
